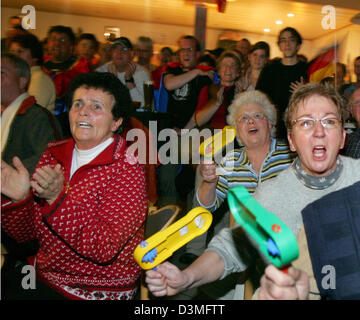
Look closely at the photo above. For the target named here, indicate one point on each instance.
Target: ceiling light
(278, 22)
(267, 30)
(290, 15)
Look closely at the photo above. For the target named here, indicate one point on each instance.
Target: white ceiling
(241, 15)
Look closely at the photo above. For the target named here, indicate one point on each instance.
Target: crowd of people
(74, 204)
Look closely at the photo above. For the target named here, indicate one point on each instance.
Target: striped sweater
(235, 169)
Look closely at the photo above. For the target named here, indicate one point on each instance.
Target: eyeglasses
(123, 49)
(257, 116)
(309, 123)
(189, 50)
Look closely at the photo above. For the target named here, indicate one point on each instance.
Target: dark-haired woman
(86, 202)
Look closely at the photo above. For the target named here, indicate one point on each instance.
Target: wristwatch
(130, 80)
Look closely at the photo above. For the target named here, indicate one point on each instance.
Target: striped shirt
(235, 169)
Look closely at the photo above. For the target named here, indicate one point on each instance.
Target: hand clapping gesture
(15, 182)
(48, 182)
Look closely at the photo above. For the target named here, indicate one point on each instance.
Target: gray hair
(244, 98)
(21, 66)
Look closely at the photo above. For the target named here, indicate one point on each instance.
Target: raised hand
(48, 182)
(15, 182)
(296, 84)
(208, 171)
(112, 68)
(167, 280)
(130, 70)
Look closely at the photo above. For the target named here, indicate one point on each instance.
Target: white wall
(161, 34)
(168, 34)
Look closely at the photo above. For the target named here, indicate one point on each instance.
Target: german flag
(322, 66)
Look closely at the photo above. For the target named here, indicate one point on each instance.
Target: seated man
(353, 145)
(123, 66)
(26, 127)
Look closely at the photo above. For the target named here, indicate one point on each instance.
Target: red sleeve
(203, 98)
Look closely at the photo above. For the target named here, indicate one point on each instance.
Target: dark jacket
(332, 226)
(32, 129)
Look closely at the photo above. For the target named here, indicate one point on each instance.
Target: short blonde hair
(257, 97)
(238, 58)
(303, 93)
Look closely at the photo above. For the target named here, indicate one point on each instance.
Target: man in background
(130, 73)
(62, 66)
(353, 145)
(144, 50)
(280, 78)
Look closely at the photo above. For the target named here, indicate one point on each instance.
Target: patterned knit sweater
(88, 235)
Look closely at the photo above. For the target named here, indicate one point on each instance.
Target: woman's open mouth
(83, 125)
(319, 152)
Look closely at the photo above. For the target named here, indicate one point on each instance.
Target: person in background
(87, 47)
(244, 46)
(165, 56)
(229, 67)
(86, 202)
(131, 74)
(349, 89)
(281, 77)
(105, 52)
(29, 48)
(258, 58)
(353, 144)
(62, 65)
(144, 50)
(26, 127)
(14, 29)
(183, 82)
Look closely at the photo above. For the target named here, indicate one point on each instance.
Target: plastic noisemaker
(160, 246)
(217, 142)
(274, 238)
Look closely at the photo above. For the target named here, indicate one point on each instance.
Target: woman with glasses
(314, 119)
(261, 158)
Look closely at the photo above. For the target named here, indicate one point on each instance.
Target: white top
(82, 157)
(42, 88)
(140, 76)
(8, 116)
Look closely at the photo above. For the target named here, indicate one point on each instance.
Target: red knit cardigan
(88, 235)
